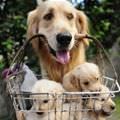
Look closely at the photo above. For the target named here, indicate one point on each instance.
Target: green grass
(116, 114)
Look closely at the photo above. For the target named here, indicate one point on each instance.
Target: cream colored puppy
(58, 115)
(101, 106)
(50, 106)
(47, 91)
(85, 77)
(102, 102)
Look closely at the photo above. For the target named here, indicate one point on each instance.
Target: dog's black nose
(64, 38)
(112, 107)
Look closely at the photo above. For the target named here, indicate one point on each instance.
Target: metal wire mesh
(21, 99)
(71, 103)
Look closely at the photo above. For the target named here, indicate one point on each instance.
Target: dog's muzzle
(112, 107)
(62, 53)
(106, 114)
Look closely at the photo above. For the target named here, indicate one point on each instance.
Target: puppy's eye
(86, 83)
(45, 101)
(70, 16)
(34, 100)
(102, 99)
(97, 78)
(48, 16)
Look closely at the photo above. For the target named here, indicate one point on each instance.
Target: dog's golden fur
(102, 107)
(54, 69)
(84, 77)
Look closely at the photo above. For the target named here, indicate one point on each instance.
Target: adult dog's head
(59, 21)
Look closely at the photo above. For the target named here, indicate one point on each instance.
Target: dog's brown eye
(48, 16)
(70, 16)
(86, 83)
(102, 99)
(45, 101)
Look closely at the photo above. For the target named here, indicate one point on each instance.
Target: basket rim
(73, 93)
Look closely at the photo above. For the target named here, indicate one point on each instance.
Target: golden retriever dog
(101, 106)
(85, 77)
(50, 106)
(59, 22)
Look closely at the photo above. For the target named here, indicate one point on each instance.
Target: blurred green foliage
(104, 18)
(13, 14)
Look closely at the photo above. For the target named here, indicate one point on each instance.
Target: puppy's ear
(82, 24)
(32, 22)
(75, 82)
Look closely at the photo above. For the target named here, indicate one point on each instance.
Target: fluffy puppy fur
(50, 18)
(101, 106)
(43, 87)
(60, 114)
(85, 77)
(50, 106)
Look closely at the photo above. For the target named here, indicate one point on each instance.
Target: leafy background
(104, 18)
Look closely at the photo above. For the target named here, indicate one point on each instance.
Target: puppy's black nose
(64, 38)
(112, 107)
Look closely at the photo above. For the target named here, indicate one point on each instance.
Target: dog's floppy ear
(32, 22)
(82, 24)
(75, 82)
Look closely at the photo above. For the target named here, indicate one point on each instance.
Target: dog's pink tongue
(63, 56)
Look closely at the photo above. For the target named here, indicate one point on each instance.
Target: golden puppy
(58, 21)
(46, 97)
(85, 77)
(51, 106)
(101, 106)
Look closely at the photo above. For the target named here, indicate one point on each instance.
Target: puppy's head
(103, 103)
(108, 105)
(89, 76)
(85, 77)
(44, 97)
(59, 21)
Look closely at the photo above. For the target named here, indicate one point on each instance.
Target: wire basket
(70, 103)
